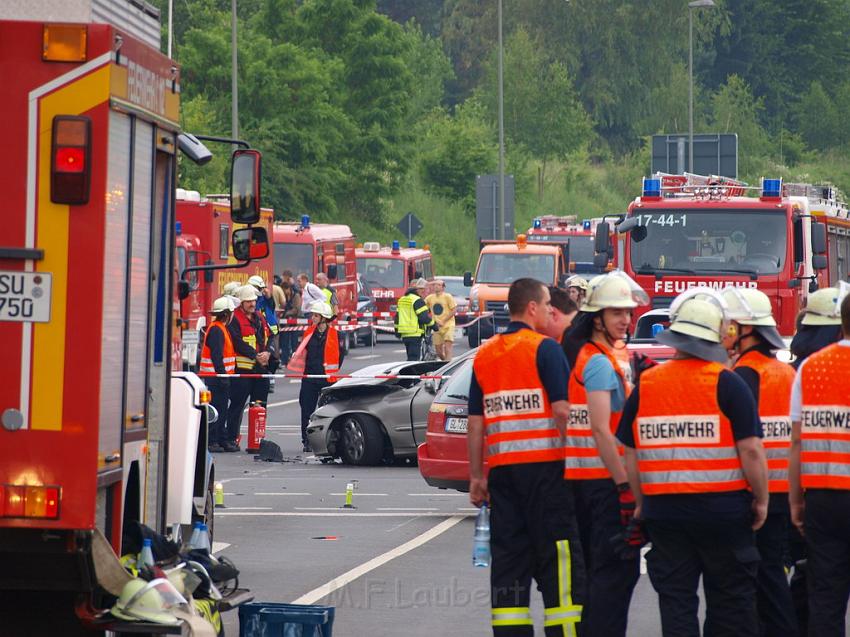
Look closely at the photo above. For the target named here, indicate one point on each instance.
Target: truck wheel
(360, 441)
(472, 338)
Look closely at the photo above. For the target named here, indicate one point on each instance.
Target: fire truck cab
(319, 247)
(500, 263)
(389, 270)
(579, 235)
(204, 229)
(689, 230)
(95, 430)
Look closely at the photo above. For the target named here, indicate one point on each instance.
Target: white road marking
(283, 402)
(219, 546)
(429, 495)
(361, 494)
(249, 508)
(406, 509)
(468, 509)
(364, 357)
(281, 493)
(349, 576)
(317, 508)
(294, 380)
(339, 512)
(399, 351)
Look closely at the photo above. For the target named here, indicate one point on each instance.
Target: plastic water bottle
(202, 542)
(146, 556)
(193, 539)
(481, 540)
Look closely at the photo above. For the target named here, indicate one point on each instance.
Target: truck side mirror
(332, 273)
(600, 240)
(183, 289)
(819, 238)
(600, 260)
(819, 261)
(245, 186)
(562, 279)
(250, 244)
(467, 279)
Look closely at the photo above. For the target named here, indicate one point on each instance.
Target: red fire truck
(580, 236)
(689, 230)
(203, 230)
(319, 247)
(95, 430)
(389, 270)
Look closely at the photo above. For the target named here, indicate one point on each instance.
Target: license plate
(456, 425)
(501, 328)
(25, 296)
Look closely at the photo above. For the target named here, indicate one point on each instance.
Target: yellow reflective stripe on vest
(516, 616)
(243, 362)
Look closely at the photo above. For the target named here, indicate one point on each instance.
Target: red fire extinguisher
(256, 426)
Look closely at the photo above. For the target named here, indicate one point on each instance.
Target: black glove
(628, 543)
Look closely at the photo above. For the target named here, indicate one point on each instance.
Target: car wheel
(352, 339)
(360, 440)
(472, 338)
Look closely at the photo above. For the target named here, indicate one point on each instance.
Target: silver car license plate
(455, 425)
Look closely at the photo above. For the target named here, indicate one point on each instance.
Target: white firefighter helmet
(256, 281)
(696, 323)
(246, 293)
(749, 306)
(222, 304)
(613, 290)
(322, 308)
(824, 306)
(148, 601)
(231, 287)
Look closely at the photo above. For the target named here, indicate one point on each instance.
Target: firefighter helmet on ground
(322, 308)
(148, 601)
(613, 290)
(749, 306)
(246, 293)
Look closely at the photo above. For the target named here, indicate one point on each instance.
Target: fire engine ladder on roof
(691, 184)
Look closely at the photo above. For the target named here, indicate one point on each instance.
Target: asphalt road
(397, 563)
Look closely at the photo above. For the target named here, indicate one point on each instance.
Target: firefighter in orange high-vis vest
(518, 412)
(250, 334)
(319, 354)
(819, 471)
(697, 466)
(218, 357)
(605, 504)
(752, 338)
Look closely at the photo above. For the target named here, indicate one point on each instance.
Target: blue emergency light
(396, 244)
(411, 244)
(771, 188)
(537, 223)
(657, 328)
(178, 227)
(651, 187)
(305, 221)
(586, 224)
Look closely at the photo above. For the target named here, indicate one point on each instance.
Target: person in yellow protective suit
(443, 307)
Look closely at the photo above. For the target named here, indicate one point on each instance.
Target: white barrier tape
(335, 376)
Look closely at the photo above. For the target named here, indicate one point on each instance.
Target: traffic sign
(409, 225)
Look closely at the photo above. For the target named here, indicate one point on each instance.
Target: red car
(442, 457)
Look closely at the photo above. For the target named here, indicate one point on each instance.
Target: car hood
(366, 375)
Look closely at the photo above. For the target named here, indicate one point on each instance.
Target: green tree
(431, 68)
(817, 118)
(456, 150)
(542, 111)
(735, 110)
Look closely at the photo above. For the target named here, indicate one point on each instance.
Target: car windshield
(724, 241)
(455, 287)
(456, 388)
(382, 272)
(507, 268)
(296, 257)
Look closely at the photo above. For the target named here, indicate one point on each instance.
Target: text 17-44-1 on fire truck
(100, 428)
(688, 230)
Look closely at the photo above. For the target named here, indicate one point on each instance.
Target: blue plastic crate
(269, 619)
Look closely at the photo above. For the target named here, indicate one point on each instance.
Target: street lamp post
(696, 4)
(500, 232)
(234, 79)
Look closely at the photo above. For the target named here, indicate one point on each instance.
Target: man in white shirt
(310, 292)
